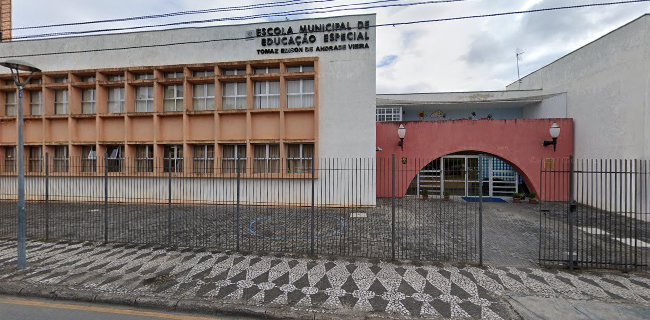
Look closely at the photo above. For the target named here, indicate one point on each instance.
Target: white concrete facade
(346, 91)
(607, 88)
(347, 77)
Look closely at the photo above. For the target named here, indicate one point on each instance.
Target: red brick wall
(5, 19)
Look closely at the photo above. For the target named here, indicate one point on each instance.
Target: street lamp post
(16, 66)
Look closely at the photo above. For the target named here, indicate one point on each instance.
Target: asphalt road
(12, 308)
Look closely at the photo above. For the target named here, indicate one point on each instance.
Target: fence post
(480, 209)
(392, 225)
(237, 225)
(47, 197)
(169, 201)
(572, 210)
(312, 222)
(106, 198)
(635, 177)
(542, 176)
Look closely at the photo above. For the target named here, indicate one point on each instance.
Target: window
(115, 159)
(389, 114)
(88, 101)
(116, 100)
(144, 99)
(203, 98)
(234, 72)
(10, 159)
(88, 159)
(203, 74)
(144, 158)
(144, 76)
(88, 79)
(266, 70)
(10, 104)
(173, 98)
(234, 95)
(36, 81)
(204, 158)
(299, 158)
(63, 79)
(302, 68)
(60, 159)
(115, 77)
(35, 105)
(173, 160)
(61, 102)
(300, 93)
(230, 154)
(174, 75)
(35, 159)
(267, 94)
(267, 158)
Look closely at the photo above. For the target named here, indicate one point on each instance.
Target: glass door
(454, 174)
(472, 176)
(458, 175)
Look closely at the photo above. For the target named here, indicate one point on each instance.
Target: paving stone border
(293, 287)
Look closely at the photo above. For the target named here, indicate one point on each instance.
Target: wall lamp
(555, 132)
(401, 132)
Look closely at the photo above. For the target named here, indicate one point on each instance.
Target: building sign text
(336, 36)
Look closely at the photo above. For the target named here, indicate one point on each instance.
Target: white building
(193, 100)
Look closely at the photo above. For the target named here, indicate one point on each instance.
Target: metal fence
(298, 205)
(599, 215)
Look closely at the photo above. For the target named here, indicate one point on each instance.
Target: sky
(465, 55)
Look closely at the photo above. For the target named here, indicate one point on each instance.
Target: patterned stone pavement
(348, 287)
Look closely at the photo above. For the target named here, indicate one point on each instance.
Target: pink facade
(518, 142)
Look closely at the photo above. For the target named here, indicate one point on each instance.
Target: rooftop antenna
(518, 54)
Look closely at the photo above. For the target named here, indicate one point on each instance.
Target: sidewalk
(282, 286)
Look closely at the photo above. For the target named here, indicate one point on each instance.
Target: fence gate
(595, 213)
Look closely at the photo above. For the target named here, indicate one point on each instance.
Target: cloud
(485, 49)
(476, 54)
(387, 61)
(544, 37)
(409, 38)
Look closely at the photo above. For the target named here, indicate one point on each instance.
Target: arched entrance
(518, 142)
(460, 174)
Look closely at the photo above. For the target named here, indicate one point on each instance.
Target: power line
(179, 13)
(329, 9)
(394, 24)
(489, 15)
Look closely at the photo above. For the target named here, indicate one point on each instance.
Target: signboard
(318, 37)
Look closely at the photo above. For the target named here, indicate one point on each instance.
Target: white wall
(348, 183)
(606, 84)
(553, 106)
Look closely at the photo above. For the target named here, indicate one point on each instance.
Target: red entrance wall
(518, 142)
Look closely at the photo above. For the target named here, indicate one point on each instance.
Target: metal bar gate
(595, 213)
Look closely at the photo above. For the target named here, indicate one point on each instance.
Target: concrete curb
(190, 305)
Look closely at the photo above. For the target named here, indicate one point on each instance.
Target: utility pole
(15, 67)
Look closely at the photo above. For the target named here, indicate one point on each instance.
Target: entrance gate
(596, 214)
(458, 176)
